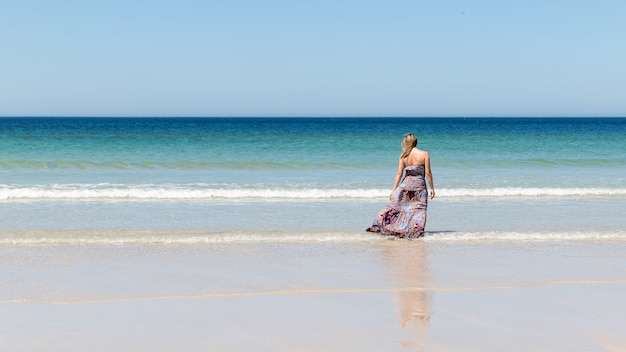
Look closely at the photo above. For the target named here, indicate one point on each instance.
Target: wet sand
(380, 295)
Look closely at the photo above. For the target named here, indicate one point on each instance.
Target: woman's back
(416, 157)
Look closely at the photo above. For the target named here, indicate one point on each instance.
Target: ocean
(205, 180)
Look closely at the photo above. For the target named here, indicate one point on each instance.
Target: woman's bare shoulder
(421, 152)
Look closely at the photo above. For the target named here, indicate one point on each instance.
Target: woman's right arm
(398, 176)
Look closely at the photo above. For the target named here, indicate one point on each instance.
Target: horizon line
(308, 116)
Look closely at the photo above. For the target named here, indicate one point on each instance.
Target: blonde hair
(408, 143)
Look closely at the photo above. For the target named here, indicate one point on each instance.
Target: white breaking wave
(211, 191)
(176, 192)
(512, 236)
(531, 192)
(129, 237)
(114, 237)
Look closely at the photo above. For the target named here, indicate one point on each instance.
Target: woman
(405, 216)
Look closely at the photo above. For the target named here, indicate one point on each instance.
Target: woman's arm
(398, 176)
(429, 176)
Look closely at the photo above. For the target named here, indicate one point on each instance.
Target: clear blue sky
(312, 58)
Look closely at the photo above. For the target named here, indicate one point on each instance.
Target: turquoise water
(52, 167)
(327, 153)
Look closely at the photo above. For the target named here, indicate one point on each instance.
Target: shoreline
(292, 292)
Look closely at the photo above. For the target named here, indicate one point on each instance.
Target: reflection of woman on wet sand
(409, 271)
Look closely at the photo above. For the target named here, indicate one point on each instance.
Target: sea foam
(211, 191)
(128, 237)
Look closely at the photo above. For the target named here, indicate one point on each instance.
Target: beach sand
(390, 295)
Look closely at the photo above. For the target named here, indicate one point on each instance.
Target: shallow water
(189, 180)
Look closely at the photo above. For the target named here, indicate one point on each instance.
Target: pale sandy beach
(387, 295)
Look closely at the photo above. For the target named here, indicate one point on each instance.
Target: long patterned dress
(405, 216)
